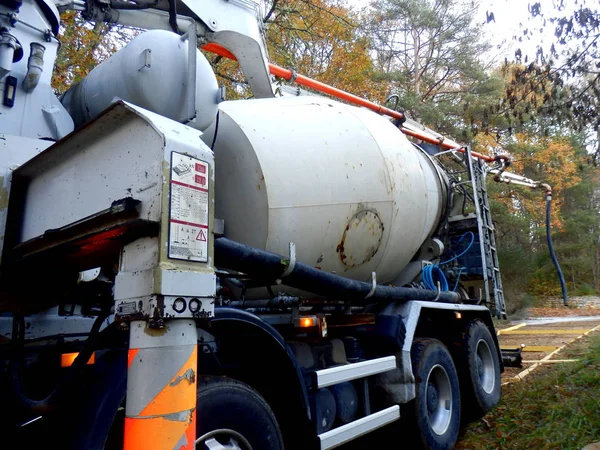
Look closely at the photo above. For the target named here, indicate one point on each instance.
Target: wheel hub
(439, 399)
(485, 366)
(480, 369)
(222, 440)
(432, 397)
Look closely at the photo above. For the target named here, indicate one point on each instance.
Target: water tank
(342, 183)
(150, 72)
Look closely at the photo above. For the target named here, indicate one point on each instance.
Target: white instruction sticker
(188, 227)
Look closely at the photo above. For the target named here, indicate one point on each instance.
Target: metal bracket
(292, 264)
(164, 307)
(439, 291)
(146, 59)
(373, 285)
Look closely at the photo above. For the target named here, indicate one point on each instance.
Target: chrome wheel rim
(438, 395)
(224, 439)
(485, 367)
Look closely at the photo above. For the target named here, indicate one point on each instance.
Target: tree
(566, 75)
(317, 38)
(84, 46)
(322, 39)
(429, 51)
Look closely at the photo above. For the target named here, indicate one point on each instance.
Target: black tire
(237, 410)
(436, 426)
(479, 370)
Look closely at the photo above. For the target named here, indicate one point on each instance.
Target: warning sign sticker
(188, 227)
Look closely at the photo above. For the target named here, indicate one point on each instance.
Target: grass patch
(558, 408)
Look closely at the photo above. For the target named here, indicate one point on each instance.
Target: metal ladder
(487, 238)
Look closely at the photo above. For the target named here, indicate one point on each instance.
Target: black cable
(271, 11)
(173, 16)
(561, 278)
(47, 404)
(212, 146)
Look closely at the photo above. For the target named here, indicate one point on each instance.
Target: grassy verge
(558, 408)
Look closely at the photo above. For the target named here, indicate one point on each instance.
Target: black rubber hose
(561, 278)
(173, 16)
(269, 266)
(46, 405)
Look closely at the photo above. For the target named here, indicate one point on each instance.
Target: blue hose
(464, 251)
(458, 278)
(429, 272)
(432, 271)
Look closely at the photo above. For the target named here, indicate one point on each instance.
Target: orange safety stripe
(180, 392)
(159, 433)
(190, 434)
(131, 355)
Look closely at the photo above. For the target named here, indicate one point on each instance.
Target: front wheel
(233, 416)
(436, 408)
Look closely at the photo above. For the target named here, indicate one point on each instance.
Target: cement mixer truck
(183, 271)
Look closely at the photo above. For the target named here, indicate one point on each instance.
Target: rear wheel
(479, 370)
(233, 416)
(435, 412)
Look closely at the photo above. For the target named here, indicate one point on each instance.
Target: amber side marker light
(312, 325)
(66, 359)
(307, 322)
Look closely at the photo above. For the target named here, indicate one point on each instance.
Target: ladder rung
(346, 433)
(347, 372)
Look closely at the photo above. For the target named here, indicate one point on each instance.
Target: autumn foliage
(83, 47)
(322, 39)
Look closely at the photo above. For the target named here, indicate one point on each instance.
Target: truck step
(340, 374)
(345, 433)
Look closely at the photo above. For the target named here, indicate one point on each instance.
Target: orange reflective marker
(67, 359)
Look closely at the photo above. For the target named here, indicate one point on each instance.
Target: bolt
(156, 324)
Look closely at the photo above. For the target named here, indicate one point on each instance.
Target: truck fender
(254, 352)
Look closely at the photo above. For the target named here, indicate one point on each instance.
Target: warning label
(188, 228)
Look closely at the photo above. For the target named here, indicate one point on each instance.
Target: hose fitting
(35, 67)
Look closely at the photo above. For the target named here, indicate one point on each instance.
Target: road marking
(513, 332)
(505, 330)
(535, 348)
(550, 361)
(526, 372)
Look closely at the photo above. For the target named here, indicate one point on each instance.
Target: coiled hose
(433, 271)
